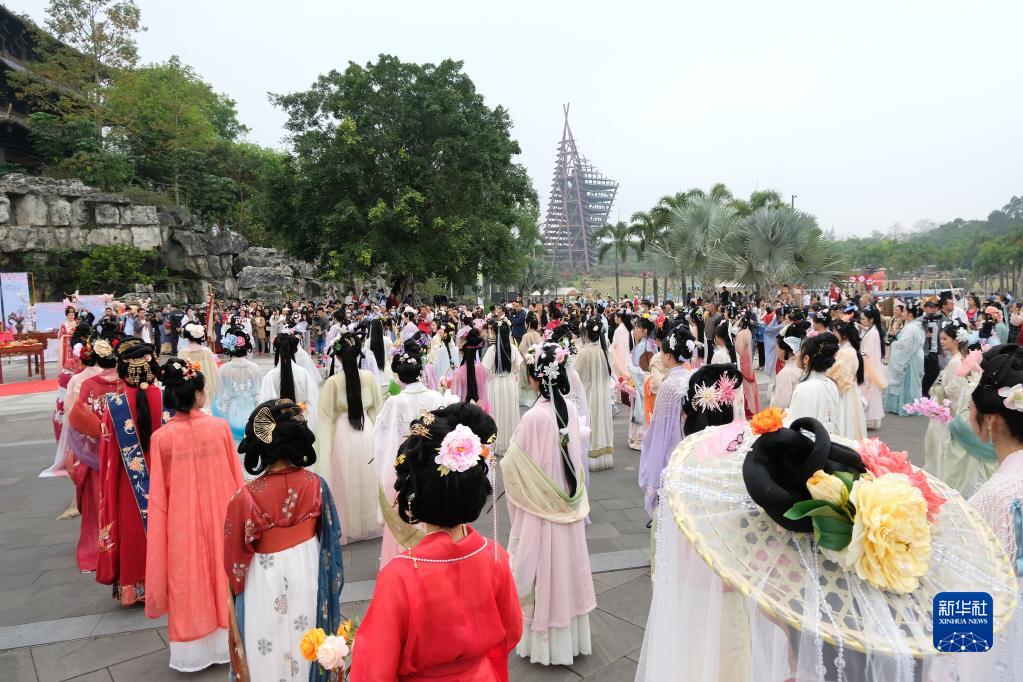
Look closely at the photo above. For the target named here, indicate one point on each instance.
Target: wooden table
(30, 352)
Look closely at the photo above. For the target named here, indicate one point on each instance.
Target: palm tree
(648, 233)
(617, 240)
(773, 245)
(757, 199)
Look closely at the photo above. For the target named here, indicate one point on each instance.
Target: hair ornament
(263, 426)
(1013, 397)
(673, 342)
(420, 430)
(962, 335)
(460, 451)
(195, 330)
(102, 348)
(793, 342)
(427, 417)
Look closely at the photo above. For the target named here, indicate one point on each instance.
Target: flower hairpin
(1013, 397)
(460, 451)
(195, 330)
(673, 342)
(962, 335)
(726, 390)
(102, 348)
(706, 398)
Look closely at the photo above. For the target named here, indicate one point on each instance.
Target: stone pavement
(57, 624)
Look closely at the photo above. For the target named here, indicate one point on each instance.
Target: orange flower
(767, 421)
(311, 641)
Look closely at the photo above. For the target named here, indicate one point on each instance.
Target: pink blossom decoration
(460, 450)
(931, 408)
(879, 460)
(560, 354)
(726, 391)
(970, 363)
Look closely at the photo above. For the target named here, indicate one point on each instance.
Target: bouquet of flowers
(627, 385)
(931, 408)
(330, 652)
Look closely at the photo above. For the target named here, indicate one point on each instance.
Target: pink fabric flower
(994, 312)
(970, 363)
(560, 354)
(726, 391)
(460, 450)
(811, 333)
(879, 460)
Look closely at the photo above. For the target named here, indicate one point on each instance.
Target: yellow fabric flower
(891, 538)
(827, 487)
(311, 641)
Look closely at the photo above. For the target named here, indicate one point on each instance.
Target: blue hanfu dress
(905, 368)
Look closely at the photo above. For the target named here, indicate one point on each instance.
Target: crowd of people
(198, 475)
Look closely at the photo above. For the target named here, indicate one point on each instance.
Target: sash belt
(282, 538)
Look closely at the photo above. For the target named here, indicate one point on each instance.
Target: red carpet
(26, 387)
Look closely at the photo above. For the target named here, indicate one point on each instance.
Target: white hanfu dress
(851, 421)
(344, 456)
(817, 397)
(306, 390)
(503, 394)
(207, 361)
(592, 366)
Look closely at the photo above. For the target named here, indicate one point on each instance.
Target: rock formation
(39, 216)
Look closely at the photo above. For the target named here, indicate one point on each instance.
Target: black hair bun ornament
(781, 461)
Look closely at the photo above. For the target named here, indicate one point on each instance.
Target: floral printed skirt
(280, 605)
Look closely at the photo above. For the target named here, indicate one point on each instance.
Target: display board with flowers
(331, 652)
(877, 523)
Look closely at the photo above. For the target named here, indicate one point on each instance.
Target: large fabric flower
(767, 421)
(891, 538)
(879, 460)
(827, 487)
(310, 643)
(1013, 397)
(460, 450)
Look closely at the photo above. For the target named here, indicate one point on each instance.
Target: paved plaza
(57, 624)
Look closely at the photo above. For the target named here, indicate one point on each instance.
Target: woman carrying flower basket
(447, 609)
(952, 451)
(282, 549)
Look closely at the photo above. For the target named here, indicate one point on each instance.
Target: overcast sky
(871, 112)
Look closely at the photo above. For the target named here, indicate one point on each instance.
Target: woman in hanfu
(390, 431)
(665, 430)
(529, 339)
(282, 550)
(905, 371)
(643, 349)
(193, 350)
(848, 375)
(787, 350)
(349, 403)
(194, 473)
(594, 370)
(238, 382)
(444, 353)
(290, 380)
(84, 427)
(501, 362)
(73, 372)
(65, 333)
(621, 353)
(544, 475)
(874, 382)
(952, 451)
(744, 348)
(996, 417)
(816, 395)
(378, 350)
(447, 609)
(470, 380)
(133, 414)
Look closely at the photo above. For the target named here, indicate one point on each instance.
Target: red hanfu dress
(194, 474)
(443, 611)
(122, 538)
(85, 421)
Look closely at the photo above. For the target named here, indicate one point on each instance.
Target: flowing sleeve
(783, 385)
(510, 611)
(488, 360)
(238, 539)
(156, 530)
(377, 399)
(385, 439)
(381, 634)
(84, 420)
(516, 359)
(312, 413)
(266, 388)
(804, 401)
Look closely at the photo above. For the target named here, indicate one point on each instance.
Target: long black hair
(348, 349)
(796, 330)
(698, 415)
(594, 330)
(554, 387)
(821, 350)
(407, 364)
(722, 333)
(470, 350)
(873, 313)
(849, 332)
(376, 341)
(502, 346)
(678, 342)
(1001, 367)
(285, 347)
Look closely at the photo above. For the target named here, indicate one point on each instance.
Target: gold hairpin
(421, 430)
(427, 417)
(263, 425)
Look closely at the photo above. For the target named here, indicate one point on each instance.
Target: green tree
(403, 167)
(112, 268)
(616, 240)
(766, 198)
(178, 133)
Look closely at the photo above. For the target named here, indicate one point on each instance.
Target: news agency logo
(963, 622)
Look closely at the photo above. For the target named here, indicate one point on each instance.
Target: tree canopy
(403, 167)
